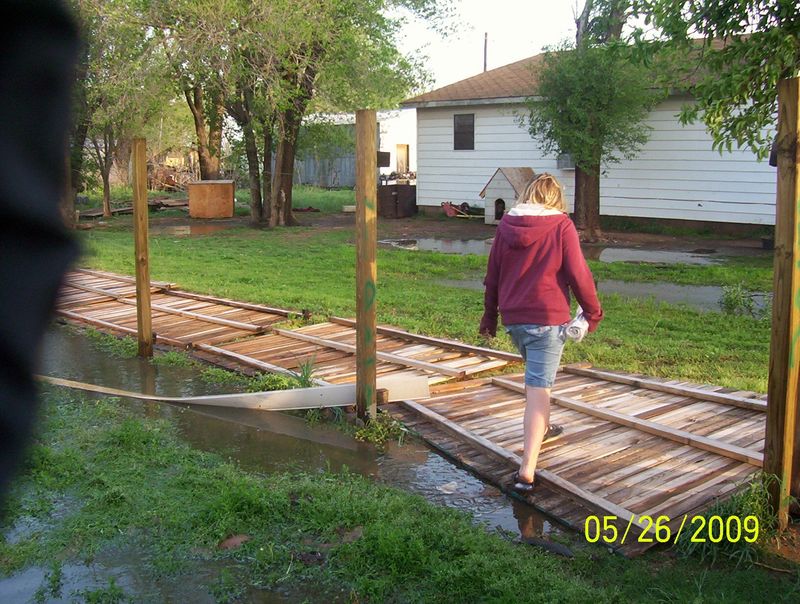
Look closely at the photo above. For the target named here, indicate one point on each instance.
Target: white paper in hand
(578, 327)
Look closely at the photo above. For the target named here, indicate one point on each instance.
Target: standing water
(260, 441)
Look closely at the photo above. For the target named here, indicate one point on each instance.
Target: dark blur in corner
(38, 50)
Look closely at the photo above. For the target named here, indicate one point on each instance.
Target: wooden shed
(503, 188)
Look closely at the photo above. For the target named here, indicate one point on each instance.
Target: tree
(289, 58)
(345, 57)
(591, 102)
(191, 34)
(736, 52)
(124, 84)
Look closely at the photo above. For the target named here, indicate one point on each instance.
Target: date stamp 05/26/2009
(660, 529)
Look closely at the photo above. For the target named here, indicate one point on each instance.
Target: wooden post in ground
(144, 320)
(781, 451)
(366, 270)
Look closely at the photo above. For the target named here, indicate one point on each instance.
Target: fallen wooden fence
(633, 448)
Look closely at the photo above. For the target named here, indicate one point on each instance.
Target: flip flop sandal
(553, 430)
(522, 486)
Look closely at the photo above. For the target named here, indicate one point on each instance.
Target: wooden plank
(252, 362)
(450, 344)
(717, 397)
(144, 320)
(175, 311)
(548, 478)
(113, 326)
(235, 303)
(782, 451)
(681, 436)
(383, 356)
(115, 277)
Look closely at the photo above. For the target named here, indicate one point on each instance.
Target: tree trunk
(254, 171)
(240, 110)
(272, 212)
(106, 192)
(208, 129)
(587, 203)
(266, 172)
(582, 23)
(67, 203)
(122, 160)
(289, 124)
(283, 178)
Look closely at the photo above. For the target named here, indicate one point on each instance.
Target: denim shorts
(541, 347)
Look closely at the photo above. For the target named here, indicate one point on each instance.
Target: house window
(464, 131)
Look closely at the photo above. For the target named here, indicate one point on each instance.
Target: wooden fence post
(366, 270)
(144, 321)
(780, 451)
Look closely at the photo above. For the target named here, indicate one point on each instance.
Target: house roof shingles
(514, 80)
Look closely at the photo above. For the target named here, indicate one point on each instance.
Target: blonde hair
(545, 190)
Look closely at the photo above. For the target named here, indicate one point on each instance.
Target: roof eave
(508, 100)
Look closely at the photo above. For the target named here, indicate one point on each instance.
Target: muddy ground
(457, 228)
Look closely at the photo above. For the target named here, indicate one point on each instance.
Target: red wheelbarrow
(451, 210)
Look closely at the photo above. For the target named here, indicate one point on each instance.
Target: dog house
(502, 190)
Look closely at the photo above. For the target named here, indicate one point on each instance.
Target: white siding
(676, 175)
(458, 176)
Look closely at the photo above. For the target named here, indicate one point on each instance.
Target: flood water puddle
(697, 256)
(479, 247)
(640, 256)
(700, 297)
(259, 441)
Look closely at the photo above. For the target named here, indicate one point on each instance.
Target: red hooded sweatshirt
(534, 262)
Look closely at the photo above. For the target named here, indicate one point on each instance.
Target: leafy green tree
(120, 84)
(591, 102)
(292, 57)
(193, 37)
(735, 52)
(344, 57)
(124, 84)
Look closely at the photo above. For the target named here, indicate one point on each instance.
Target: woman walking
(535, 260)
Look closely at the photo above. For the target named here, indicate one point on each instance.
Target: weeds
(381, 429)
(261, 382)
(173, 358)
(122, 348)
(739, 300)
(744, 521)
(304, 375)
(52, 585)
(112, 594)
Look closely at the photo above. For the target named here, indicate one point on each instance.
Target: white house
(469, 129)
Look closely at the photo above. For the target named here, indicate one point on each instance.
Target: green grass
(135, 484)
(303, 196)
(303, 268)
(755, 272)
(124, 347)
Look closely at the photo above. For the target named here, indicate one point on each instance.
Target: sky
(517, 29)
